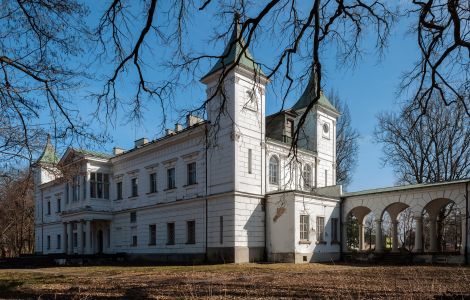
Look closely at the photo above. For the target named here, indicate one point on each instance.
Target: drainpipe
(42, 221)
(466, 223)
(206, 258)
(341, 199)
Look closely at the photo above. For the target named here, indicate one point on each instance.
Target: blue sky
(368, 88)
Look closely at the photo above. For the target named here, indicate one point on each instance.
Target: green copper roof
(48, 156)
(233, 51)
(92, 153)
(308, 96)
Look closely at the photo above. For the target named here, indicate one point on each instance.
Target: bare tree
(434, 148)
(17, 218)
(40, 43)
(443, 35)
(347, 142)
(303, 31)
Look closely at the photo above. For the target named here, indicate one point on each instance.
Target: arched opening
(442, 226)
(360, 229)
(395, 223)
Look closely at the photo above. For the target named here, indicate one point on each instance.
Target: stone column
(432, 235)
(394, 236)
(64, 241)
(80, 237)
(418, 234)
(361, 237)
(69, 238)
(88, 249)
(378, 236)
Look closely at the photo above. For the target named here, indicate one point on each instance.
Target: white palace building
(239, 197)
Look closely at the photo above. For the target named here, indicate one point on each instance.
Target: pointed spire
(309, 94)
(233, 50)
(48, 156)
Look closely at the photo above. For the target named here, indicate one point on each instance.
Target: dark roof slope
(309, 94)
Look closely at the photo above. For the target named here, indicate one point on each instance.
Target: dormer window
(289, 130)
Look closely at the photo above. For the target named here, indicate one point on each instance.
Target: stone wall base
(298, 258)
(235, 254)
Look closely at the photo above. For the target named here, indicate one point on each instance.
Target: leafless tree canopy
(347, 142)
(17, 217)
(38, 40)
(434, 148)
(442, 71)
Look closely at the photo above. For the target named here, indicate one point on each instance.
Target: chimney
(140, 142)
(117, 151)
(169, 132)
(178, 127)
(192, 120)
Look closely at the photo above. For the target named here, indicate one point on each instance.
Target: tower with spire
(236, 111)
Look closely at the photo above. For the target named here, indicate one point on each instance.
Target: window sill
(190, 185)
(152, 244)
(335, 242)
(151, 193)
(305, 242)
(190, 243)
(320, 243)
(133, 197)
(120, 199)
(133, 246)
(170, 190)
(170, 244)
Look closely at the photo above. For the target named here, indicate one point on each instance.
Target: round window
(326, 128)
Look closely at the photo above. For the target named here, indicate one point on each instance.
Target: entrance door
(100, 241)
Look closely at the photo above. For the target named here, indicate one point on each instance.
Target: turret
(45, 169)
(237, 114)
(319, 134)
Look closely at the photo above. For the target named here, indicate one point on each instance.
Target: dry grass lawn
(261, 281)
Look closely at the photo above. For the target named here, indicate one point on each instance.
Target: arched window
(307, 176)
(273, 170)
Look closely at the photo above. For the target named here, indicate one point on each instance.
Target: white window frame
(304, 222)
(274, 170)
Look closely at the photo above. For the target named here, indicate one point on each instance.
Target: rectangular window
(83, 187)
(58, 206)
(48, 207)
(191, 232)
(133, 217)
(152, 234)
(171, 180)
(59, 241)
(99, 185)
(134, 187)
(93, 185)
(191, 173)
(119, 190)
(250, 161)
(326, 177)
(170, 233)
(48, 242)
(221, 229)
(290, 128)
(67, 193)
(304, 225)
(320, 229)
(134, 241)
(153, 183)
(84, 239)
(75, 188)
(75, 239)
(334, 229)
